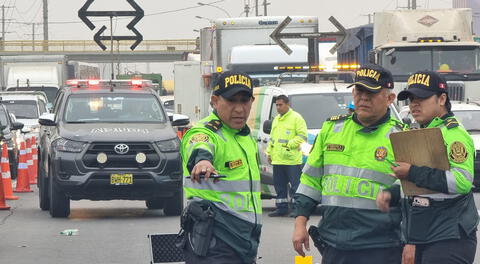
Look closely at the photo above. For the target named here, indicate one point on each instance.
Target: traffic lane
(109, 232)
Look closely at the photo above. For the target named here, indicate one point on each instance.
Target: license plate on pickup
(121, 179)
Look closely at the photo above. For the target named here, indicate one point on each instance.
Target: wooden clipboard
(420, 147)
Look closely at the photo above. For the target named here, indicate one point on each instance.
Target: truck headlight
(168, 145)
(66, 145)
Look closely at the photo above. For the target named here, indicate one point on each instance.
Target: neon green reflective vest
(344, 172)
(451, 212)
(237, 197)
(288, 132)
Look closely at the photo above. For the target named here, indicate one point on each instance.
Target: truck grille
(456, 91)
(126, 160)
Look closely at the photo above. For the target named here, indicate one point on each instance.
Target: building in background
(475, 6)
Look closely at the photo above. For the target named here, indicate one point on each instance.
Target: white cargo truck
(406, 41)
(45, 73)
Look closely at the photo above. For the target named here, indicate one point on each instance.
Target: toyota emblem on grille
(121, 149)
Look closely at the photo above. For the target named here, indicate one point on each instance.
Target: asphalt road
(114, 232)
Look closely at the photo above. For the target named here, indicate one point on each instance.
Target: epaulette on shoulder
(338, 117)
(214, 125)
(451, 122)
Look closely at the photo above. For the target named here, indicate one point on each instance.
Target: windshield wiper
(473, 130)
(76, 122)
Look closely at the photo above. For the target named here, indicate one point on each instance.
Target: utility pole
(3, 25)
(369, 18)
(247, 9)
(414, 4)
(265, 4)
(408, 5)
(256, 7)
(45, 24)
(33, 34)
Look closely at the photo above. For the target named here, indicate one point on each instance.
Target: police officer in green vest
(442, 225)
(221, 145)
(345, 171)
(289, 130)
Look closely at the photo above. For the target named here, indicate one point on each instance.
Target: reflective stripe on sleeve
(465, 173)
(303, 137)
(247, 216)
(282, 141)
(223, 186)
(451, 182)
(350, 202)
(309, 191)
(338, 126)
(278, 201)
(312, 171)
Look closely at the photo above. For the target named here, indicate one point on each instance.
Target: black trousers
(451, 251)
(218, 253)
(282, 175)
(331, 255)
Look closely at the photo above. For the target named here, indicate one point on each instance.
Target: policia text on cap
(226, 228)
(345, 171)
(441, 225)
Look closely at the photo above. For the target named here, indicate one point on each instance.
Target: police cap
(229, 83)
(373, 78)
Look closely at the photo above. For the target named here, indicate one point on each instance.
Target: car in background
(469, 115)
(109, 140)
(9, 131)
(27, 108)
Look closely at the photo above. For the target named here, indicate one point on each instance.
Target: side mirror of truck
(267, 126)
(371, 56)
(180, 120)
(47, 120)
(17, 125)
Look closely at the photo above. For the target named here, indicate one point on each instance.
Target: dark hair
(448, 105)
(282, 97)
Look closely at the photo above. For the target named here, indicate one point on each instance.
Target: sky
(168, 19)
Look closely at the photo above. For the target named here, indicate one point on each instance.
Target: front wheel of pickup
(174, 205)
(43, 191)
(59, 202)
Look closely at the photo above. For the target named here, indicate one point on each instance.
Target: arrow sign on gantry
(137, 13)
(277, 35)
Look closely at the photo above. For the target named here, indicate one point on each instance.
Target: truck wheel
(59, 202)
(174, 205)
(154, 203)
(43, 191)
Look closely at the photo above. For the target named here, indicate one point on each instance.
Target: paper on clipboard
(420, 147)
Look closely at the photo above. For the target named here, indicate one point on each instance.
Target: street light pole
(217, 7)
(205, 18)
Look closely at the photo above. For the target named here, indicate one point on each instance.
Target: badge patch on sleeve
(234, 164)
(458, 152)
(199, 138)
(380, 153)
(335, 147)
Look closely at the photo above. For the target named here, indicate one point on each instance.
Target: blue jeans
(282, 175)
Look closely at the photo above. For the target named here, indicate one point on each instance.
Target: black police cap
(229, 83)
(373, 78)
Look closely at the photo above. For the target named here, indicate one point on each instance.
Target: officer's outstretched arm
(198, 150)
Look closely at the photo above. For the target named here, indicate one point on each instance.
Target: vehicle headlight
(168, 145)
(66, 145)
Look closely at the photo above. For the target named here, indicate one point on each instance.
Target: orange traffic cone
(3, 203)
(34, 160)
(23, 184)
(28, 148)
(6, 176)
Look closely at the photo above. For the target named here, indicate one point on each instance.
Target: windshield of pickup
(469, 119)
(22, 109)
(316, 108)
(450, 60)
(123, 108)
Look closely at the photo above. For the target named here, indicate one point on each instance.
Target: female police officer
(441, 225)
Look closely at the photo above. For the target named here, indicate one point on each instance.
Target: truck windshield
(108, 108)
(469, 119)
(326, 105)
(50, 92)
(450, 60)
(22, 109)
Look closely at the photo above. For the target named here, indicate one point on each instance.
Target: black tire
(43, 198)
(174, 205)
(59, 202)
(155, 203)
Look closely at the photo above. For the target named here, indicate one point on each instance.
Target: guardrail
(80, 46)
